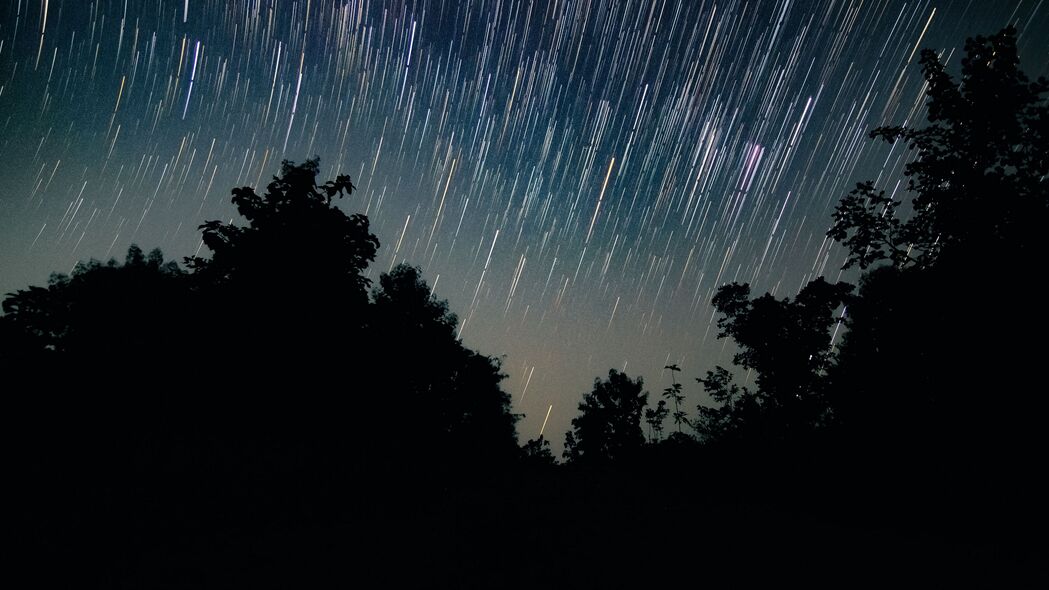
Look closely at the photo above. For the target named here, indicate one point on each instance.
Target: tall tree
(788, 344)
(298, 252)
(442, 397)
(977, 177)
(979, 203)
(937, 372)
(262, 382)
(608, 426)
(288, 289)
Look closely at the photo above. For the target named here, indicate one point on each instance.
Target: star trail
(576, 178)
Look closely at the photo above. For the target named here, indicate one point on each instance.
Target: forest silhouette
(266, 413)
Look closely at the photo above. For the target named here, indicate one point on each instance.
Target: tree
(608, 427)
(787, 343)
(737, 408)
(285, 300)
(536, 452)
(98, 311)
(446, 397)
(978, 172)
(90, 361)
(405, 303)
(262, 382)
(655, 417)
(937, 371)
(980, 204)
(298, 249)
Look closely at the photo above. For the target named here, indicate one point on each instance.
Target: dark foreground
(527, 527)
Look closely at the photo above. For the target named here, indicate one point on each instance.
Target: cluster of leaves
(786, 342)
(296, 240)
(98, 307)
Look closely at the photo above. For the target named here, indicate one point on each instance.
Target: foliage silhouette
(673, 394)
(260, 388)
(787, 343)
(934, 382)
(977, 173)
(608, 427)
(296, 239)
(655, 417)
(980, 203)
(737, 408)
(91, 401)
(536, 451)
(97, 310)
(294, 274)
(264, 400)
(452, 394)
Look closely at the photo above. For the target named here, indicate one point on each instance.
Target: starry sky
(575, 177)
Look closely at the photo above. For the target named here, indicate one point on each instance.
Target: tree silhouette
(261, 388)
(655, 417)
(299, 254)
(450, 400)
(405, 303)
(937, 371)
(608, 427)
(537, 452)
(787, 343)
(980, 203)
(93, 395)
(737, 408)
(978, 169)
(294, 232)
(97, 311)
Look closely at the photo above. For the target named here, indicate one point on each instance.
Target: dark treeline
(266, 390)
(267, 415)
(927, 416)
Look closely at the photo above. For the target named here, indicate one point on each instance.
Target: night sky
(576, 178)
